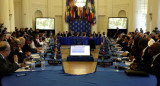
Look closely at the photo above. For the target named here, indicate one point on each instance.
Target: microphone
(22, 74)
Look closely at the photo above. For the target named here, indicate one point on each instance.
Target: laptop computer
(80, 50)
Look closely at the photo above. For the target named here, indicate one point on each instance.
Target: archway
(38, 13)
(122, 13)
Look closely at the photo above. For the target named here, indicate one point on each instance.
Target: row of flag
(86, 12)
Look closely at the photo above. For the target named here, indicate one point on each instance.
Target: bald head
(15, 43)
(4, 48)
(154, 48)
(3, 45)
(22, 41)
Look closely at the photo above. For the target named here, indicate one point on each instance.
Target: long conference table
(76, 73)
(60, 76)
(78, 40)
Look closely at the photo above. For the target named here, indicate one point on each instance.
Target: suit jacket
(155, 67)
(13, 52)
(98, 35)
(7, 68)
(92, 44)
(27, 48)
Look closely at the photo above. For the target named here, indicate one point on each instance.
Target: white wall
(104, 9)
(18, 13)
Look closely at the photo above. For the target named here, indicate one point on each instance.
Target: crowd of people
(144, 50)
(82, 34)
(16, 48)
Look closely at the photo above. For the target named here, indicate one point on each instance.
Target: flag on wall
(81, 13)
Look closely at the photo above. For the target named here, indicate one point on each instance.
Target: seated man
(27, 48)
(6, 67)
(92, 44)
(153, 67)
(14, 44)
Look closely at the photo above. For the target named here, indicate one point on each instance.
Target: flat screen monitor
(80, 50)
(120, 22)
(45, 23)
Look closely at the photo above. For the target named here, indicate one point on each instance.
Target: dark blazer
(98, 35)
(13, 52)
(92, 44)
(152, 67)
(155, 69)
(146, 60)
(36, 43)
(27, 48)
(7, 68)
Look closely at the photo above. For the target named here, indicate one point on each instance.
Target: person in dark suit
(155, 60)
(117, 33)
(94, 34)
(59, 34)
(85, 34)
(37, 41)
(153, 67)
(92, 44)
(69, 34)
(6, 68)
(27, 48)
(4, 31)
(14, 51)
(98, 34)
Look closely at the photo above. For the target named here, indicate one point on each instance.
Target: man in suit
(117, 33)
(98, 34)
(155, 61)
(27, 48)
(6, 68)
(92, 44)
(154, 65)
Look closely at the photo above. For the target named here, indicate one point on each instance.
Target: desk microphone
(22, 74)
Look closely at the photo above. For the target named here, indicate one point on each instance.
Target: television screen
(80, 50)
(45, 23)
(115, 22)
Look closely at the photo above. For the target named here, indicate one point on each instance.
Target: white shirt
(32, 45)
(2, 56)
(143, 52)
(150, 42)
(155, 56)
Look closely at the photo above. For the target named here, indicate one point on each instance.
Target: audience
(143, 48)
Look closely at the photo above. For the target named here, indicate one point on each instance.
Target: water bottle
(55, 57)
(116, 67)
(42, 64)
(32, 65)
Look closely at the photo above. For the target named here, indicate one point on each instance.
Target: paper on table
(22, 70)
(127, 63)
(35, 56)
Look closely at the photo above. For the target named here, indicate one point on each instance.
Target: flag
(86, 3)
(78, 12)
(84, 12)
(90, 19)
(92, 2)
(72, 13)
(67, 2)
(88, 16)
